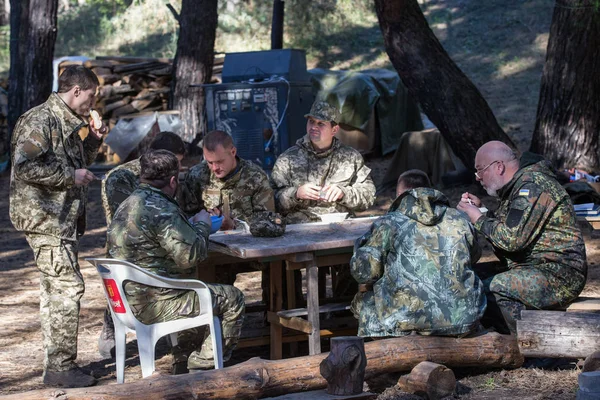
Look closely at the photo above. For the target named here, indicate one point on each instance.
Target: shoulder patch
(524, 192)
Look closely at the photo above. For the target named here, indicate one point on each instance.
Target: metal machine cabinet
(264, 111)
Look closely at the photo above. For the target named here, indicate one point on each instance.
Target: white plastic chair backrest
(115, 273)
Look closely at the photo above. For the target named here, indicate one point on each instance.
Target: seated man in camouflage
(225, 184)
(150, 230)
(119, 183)
(533, 232)
(414, 267)
(319, 174)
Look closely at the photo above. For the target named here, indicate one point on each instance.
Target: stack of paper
(587, 209)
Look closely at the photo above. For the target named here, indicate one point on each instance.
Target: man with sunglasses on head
(533, 232)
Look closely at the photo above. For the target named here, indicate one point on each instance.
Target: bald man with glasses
(533, 232)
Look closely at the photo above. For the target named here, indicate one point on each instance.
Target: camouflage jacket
(418, 258)
(46, 149)
(150, 230)
(341, 165)
(119, 183)
(535, 225)
(245, 193)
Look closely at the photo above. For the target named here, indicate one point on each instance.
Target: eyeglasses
(480, 171)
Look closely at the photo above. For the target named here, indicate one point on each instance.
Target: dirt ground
(21, 354)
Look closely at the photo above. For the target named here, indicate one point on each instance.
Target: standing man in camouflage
(150, 230)
(319, 174)
(414, 267)
(119, 183)
(533, 232)
(48, 194)
(225, 184)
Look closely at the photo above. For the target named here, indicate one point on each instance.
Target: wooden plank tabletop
(298, 238)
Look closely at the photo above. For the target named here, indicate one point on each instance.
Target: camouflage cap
(267, 224)
(324, 111)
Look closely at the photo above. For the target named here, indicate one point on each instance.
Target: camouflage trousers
(61, 288)
(509, 291)
(195, 344)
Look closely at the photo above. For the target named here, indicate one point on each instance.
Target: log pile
(132, 86)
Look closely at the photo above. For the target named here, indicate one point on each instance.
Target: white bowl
(333, 217)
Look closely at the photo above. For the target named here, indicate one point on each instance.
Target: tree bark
(557, 334)
(277, 24)
(568, 117)
(344, 367)
(193, 63)
(262, 378)
(430, 380)
(32, 38)
(4, 12)
(446, 95)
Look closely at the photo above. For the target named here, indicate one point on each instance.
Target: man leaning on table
(414, 267)
(321, 175)
(150, 230)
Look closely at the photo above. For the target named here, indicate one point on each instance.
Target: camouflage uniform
(535, 235)
(45, 204)
(150, 230)
(119, 183)
(341, 165)
(243, 193)
(418, 259)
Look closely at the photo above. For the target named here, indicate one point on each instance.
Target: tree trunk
(193, 63)
(568, 117)
(277, 24)
(344, 367)
(557, 334)
(32, 38)
(4, 12)
(262, 378)
(446, 95)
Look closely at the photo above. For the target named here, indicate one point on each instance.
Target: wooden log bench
(585, 304)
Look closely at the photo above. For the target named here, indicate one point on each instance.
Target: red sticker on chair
(115, 298)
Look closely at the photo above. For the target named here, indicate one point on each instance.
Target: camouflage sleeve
(475, 249)
(117, 186)
(262, 199)
(360, 195)
(186, 244)
(189, 194)
(370, 252)
(281, 181)
(90, 149)
(35, 162)
(529, 209)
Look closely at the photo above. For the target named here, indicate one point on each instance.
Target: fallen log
(558, 334)
(430, 380)
(262, 378)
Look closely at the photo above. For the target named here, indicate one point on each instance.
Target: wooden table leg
(291, 302)
(276, 304)
(312, 305)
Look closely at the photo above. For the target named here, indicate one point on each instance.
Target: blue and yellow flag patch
(524, 192)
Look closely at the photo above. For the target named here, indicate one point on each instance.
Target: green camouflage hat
(324, 111)
(267, 224)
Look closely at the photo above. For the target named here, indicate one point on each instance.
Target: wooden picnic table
(303, 246)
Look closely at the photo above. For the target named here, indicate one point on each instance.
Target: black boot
(69, 379)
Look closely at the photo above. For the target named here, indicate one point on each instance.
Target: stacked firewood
(133, 85)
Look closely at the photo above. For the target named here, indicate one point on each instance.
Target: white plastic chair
(114, 274)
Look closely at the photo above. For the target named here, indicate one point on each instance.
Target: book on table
(587, 209)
